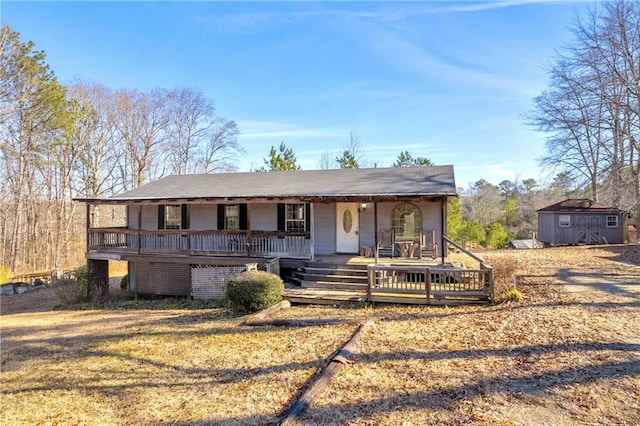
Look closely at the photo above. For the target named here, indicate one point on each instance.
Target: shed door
(347, 223)
(594, 230)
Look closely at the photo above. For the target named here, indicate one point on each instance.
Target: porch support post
(312, 221)
(248, 229)
(88, 212)
(375, 230)
(443, 227)
(139, 227)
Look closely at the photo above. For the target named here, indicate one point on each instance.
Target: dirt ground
(568, 354)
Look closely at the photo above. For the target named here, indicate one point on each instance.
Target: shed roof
(366, 184)
(580, 205)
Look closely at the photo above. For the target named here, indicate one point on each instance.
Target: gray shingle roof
(334, 183)
(579, 205)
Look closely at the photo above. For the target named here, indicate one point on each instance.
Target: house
(184, 232)
(581, 221)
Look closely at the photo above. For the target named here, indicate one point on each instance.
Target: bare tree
(198, 139)
(325, 161)
(353, 155)
(142, 124)
(96, 137)
(592, 108)
(568, 114)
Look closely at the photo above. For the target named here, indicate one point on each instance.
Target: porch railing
(210, 242)
(434, 284)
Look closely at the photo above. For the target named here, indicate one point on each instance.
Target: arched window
(406, 221)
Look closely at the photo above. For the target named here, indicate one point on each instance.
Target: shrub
(70, 290)
(124, 283)
(513, 295)
(504, 270)
(253, 291)
(5, 274)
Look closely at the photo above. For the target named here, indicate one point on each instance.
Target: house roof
(333, 184)
(580, 205)
(526, 244)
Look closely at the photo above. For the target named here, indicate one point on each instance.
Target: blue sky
(444, 80)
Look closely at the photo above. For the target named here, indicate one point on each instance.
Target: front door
(347, 224)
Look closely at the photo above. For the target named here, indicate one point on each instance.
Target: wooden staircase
(327, 283)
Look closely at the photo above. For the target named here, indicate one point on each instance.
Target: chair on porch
(428, 244)
(385, 243)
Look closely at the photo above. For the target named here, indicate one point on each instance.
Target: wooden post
(248, 236)
(312, 230)
(443, 228)
(88, 212)
(139, 226)
(375, 230)
(427, 281)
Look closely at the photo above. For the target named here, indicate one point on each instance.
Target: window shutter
(220, 216)
(281, 216)
(243, 216)
(307, 217)
(161, 216)
(184, 216)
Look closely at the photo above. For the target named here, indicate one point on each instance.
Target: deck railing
(210, 242)
(434, 284)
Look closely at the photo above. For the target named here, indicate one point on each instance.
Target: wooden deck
(347, 280)
(320, 296)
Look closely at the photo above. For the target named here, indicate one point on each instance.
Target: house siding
(264, 217)
(324, 228)
(203, 216)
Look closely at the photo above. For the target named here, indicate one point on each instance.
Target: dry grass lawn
(569, 353)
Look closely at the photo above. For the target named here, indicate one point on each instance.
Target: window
(564, 221)
(612, 221)
(406, 221)
(232, 216)
(170, 216)
(295, 218)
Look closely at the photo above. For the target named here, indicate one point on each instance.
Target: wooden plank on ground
(342, 357)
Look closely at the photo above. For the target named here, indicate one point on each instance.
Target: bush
(5, 274)
(504, 270)
(124, 283)
(74, 288)
(253, 291)
(513, 295)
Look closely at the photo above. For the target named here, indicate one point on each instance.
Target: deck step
(337, 271)
(325, 297)
(334, 285)
(330, 277)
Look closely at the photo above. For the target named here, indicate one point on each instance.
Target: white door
(347, 223)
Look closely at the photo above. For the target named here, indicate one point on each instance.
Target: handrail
(465, 251)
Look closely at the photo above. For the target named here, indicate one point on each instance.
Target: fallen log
(303, 322)
(342, 357)
(283, 304)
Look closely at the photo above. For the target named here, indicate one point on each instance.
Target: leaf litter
(557, 357)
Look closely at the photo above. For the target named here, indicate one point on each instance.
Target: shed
(580, 221)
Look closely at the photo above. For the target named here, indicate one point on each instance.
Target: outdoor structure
(581, 221)
(185, 235)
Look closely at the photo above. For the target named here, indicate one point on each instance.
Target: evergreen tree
(282, 160)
